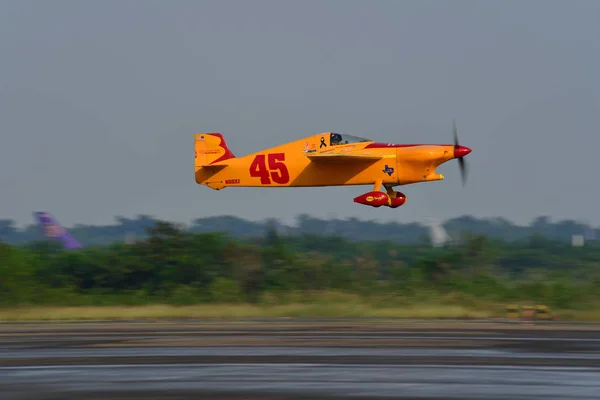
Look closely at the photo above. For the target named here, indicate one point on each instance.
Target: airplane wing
(347, 157)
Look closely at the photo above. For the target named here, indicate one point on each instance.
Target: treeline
(353, 229)
(176, 266)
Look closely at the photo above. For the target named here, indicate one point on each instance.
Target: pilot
(335, 139)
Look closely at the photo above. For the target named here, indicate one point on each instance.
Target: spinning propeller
(459, 153)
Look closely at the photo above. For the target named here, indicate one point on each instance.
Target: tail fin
(52, 230)
(210, 148)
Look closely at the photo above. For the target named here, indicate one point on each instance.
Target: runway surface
(299, 359)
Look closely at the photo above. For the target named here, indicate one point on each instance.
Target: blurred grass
(327, 304)
(232, 311)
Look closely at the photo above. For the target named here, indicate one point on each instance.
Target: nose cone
(461, 151)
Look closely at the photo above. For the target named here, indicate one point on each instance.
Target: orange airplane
(327, 159)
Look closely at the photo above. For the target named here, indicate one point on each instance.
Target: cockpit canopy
(340, 138)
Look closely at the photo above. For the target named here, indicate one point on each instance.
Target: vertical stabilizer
(54, 231)
(210, 148)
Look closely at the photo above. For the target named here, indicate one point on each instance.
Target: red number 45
(277, 170)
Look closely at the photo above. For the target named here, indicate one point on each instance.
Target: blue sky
(99, 102)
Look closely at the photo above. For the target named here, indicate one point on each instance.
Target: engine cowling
(374, 199)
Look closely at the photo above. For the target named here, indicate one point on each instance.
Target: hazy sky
(99, 102)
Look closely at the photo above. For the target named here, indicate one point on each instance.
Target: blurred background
(99, 102)
(464, 266)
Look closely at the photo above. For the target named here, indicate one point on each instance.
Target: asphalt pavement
(274, 359)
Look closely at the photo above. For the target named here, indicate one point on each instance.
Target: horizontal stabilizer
(217, 167)
(342, 157)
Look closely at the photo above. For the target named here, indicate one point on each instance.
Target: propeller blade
(458, 149)
(463, 170)
(454, 132)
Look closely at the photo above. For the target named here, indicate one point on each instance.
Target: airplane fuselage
(290, 165)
